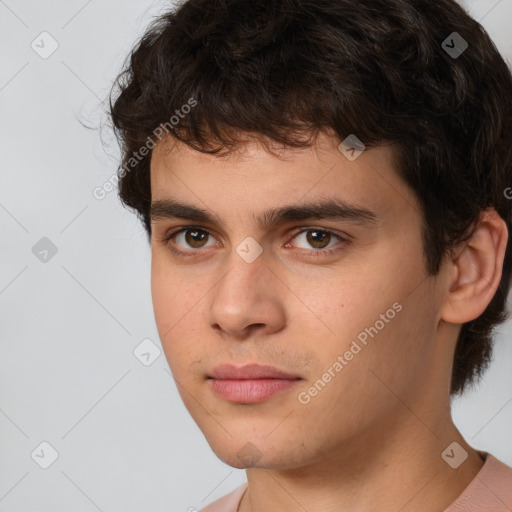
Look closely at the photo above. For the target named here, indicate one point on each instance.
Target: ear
(475, 269)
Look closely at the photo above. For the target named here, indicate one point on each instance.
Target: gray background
(69, 325)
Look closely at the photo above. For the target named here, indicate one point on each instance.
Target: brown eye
(185, 239)
(318, 239)
(195, 237)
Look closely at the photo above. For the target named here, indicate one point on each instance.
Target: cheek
(402, 352)
(163, 302)
(167, 305)
(176, 307)
(374, 321)
(167, 290)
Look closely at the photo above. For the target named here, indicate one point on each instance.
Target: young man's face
(355, 327)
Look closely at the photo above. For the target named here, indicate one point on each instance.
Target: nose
(248, 299)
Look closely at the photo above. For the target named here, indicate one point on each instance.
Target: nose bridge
(246, 271)
(244, 294)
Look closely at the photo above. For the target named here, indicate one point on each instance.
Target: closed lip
(250, 371)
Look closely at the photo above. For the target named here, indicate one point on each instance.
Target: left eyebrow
(335, 209)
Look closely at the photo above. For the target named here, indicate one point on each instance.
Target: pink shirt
(489, 491)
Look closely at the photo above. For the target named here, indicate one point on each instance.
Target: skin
(372, 438)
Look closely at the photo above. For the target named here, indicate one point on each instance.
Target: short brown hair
(287, 69)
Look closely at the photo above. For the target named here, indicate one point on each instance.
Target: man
(324, 187)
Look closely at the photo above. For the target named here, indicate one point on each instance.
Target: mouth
(251, 383)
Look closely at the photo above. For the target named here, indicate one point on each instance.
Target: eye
(319, 239)
(192, 236)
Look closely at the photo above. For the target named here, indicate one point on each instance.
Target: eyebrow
(334, 208)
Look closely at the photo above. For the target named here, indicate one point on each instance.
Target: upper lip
(250, 371)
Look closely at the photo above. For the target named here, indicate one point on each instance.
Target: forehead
(251, 177)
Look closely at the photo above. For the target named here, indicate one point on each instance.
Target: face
(336, 298)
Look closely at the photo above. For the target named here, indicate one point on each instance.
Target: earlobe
(477, 267)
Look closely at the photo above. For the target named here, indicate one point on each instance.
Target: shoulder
(490, 490)
(227, 503)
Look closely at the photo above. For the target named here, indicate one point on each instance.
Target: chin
(258, 453)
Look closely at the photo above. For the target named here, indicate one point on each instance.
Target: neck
(397, 466)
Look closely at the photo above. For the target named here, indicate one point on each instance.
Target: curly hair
(209, 72)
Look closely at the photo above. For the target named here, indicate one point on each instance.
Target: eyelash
(313, 252)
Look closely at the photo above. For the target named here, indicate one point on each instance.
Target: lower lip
(250, 391)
